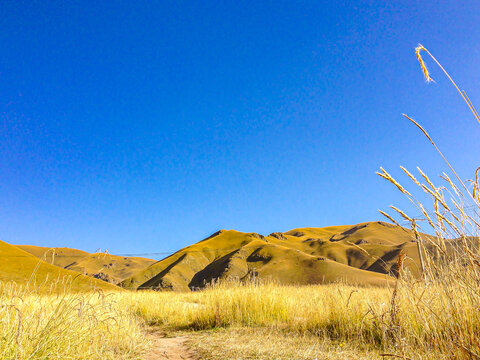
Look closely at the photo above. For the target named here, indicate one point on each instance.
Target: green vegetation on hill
(23, 268)
(104, 266)
(361, 254)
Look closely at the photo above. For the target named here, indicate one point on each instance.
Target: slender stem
(472, 109)
(443, 157)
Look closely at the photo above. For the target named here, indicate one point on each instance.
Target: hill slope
(360, 254)
(18, 266)
(107, 267)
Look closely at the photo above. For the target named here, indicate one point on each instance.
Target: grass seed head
(418, 49)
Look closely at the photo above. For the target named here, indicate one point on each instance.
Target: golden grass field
(230, 321)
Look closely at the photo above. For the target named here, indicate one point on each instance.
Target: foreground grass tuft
(67, 326)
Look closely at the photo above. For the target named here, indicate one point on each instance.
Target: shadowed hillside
(359, 254)
(110, 268)
(23, 268)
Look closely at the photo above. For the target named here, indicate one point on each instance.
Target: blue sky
(144, 126)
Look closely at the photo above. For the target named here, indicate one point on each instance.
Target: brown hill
(104, 266)
(23, 268)
(360, 254)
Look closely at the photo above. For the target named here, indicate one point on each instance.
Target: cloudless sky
(144, 126)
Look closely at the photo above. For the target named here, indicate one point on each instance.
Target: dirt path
(168, 348)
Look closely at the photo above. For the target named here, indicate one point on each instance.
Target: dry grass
(66, 326)
(267, 344)
(364, 319)
(449, 322)
(335, 311)
(411, 325)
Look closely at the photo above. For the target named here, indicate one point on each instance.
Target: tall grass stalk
(450, 321)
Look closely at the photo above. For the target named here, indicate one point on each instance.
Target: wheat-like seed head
(437, 196)
(389, 217)
(452, 185)
(410, 175)
(418, 49)
(389, 177)
(476, 185)
(459, 208)
(427, 179)
(405, 216)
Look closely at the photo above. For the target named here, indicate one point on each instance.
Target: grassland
(66, 326)
(240, 321)
(247, 343)
(375, 319)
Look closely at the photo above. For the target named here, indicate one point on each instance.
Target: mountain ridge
(363, 254)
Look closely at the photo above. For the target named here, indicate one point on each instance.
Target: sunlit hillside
(24, 269)
(103, 266)
(361, 254)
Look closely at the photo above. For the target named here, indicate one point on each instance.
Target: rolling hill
(361, 254)
(23, 268)
(103, 266)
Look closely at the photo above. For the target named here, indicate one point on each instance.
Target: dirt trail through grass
(168, 348)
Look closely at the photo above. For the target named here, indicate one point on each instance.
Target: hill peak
(364, 253)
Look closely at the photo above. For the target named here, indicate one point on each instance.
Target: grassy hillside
(103, 266)
(23, 268)
(359, 254)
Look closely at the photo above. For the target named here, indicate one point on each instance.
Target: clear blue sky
(144, 126)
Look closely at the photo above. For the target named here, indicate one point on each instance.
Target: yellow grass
(358, 315)
(267, 344)
(336, 311)
(364, 319)
(67, 326)
(450, 320)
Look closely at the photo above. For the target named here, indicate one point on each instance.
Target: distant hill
(360, 254)
(23, 268)
(103, 266)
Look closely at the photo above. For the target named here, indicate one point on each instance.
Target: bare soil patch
(171, 348)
